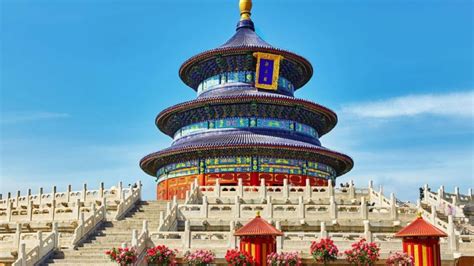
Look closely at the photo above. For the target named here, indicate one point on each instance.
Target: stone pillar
(205, 207)
(469, 193)
(94, 211)
(351, 190)
(452, 245)
(77, 209)
(232, 238)
(433, 214)
(39, 238)
(237, 207)
(456, 192)
(263, 189)
(101, 189)
(367, 233)
(425, 192)
(279, 239)
(364, 213)
(381, 196)
(217, 188)
(17, 199)
(9, 211)
(301, 208)
(17, 236)
(119, 190)
(393, 207)
(240, 188)
(134, 238)
(22, 254)
(162, 220)
(40, 196)
(324, 233)
(168, 208)
(139, 188)
(56, 235)
(307, 189)
(441, 192)
(53, 209)
(68, 193)
(332, 208)
(84, 193)
(330, 189)
(269, 207)
(186, 197)
(187, 235)
(29, 210)
(286, 192)
(53, 192)
(104, 205)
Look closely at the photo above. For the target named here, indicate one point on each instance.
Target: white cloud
(19, 117)
(449, 104)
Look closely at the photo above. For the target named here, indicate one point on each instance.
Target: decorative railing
(442, 205)
(170, 221)
(40, 251)
(130, 198)
(89, 225)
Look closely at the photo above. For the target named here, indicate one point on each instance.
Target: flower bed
(122, 256)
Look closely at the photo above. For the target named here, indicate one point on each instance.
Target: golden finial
(245, 7)
(419, 214)
(258, 213)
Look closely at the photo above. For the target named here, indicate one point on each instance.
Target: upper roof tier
(237, 55)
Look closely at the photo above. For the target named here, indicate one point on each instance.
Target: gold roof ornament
(245, 8)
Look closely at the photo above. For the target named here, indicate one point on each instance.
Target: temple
(245, 122)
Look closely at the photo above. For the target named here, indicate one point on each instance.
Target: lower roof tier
(244, 143)
(246, 103)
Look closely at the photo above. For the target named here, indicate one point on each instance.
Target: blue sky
(82, 81)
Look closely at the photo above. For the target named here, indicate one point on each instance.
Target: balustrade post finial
(324, 233)
(84, 192)
(40, 195)
(134, 241)
(363, 209)
(161, 221)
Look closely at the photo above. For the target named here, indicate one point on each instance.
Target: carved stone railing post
(425, 192)
(232, 238)
(104, 203)
(29, 210)
(217, 188)
(440, 194)
(68, 193)
(161, 221)
(324, 233)
(168, 208)
(77, 209)
(371, 186)
(134, 238)
(55, 231)
(187, 235)
(469, 193)
(9, 211)
(205, 207)
(332, 208)
(53, 193)
(53, 209)
(40, 196)
(119, 190)
(22, 254)
(364, 213)
(186, 196)
(381, 195)
(145, 227)
(240, 188)
(279, 239)
(139, 187)
(263, 189)
(17, 199)
(367, 233)
(286, 190)
(301, 208)
(269, 207)
(17, 236)
(101, 189)
(237, 207)
(433, 214)
(452, 245)
(94, 211)
(84, 193)
(307, 189)
(393, 207)
(330, 189)
(351, 190)
(39, 238)
(82, 223)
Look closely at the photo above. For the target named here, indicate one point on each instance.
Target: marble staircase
(110, 234)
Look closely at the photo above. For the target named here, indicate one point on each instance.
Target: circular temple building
(245, 122)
